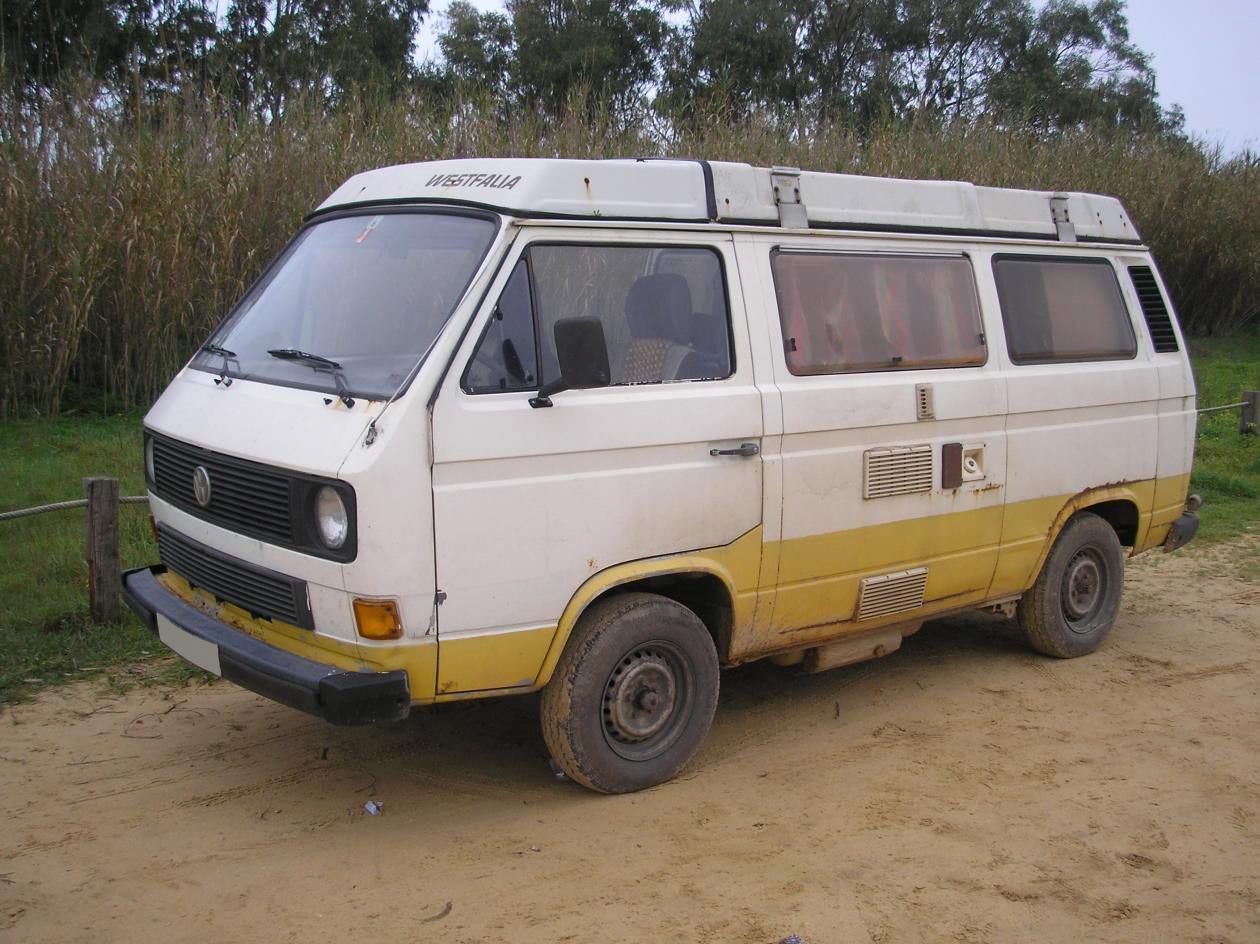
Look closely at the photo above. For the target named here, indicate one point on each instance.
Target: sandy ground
(962, 789)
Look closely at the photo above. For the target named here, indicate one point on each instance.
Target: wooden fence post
(1248, 420)
(102, 547)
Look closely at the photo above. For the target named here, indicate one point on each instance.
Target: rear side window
(663, 309)
(842, 313)
(1058, 309)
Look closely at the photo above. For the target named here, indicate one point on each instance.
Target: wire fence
(60, 506)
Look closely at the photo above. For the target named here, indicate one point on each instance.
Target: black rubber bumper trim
(336, 695)
(1182, 531)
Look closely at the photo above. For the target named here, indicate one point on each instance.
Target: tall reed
(124, 240)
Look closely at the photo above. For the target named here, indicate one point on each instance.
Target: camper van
(599, 429)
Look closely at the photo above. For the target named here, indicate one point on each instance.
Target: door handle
(744, 449)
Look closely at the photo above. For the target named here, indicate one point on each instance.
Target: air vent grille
(899, 470)
(262, 592)
(1158, 318)
(892, 593)
(923, 407)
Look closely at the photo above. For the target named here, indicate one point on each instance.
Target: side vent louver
(924, 408)
(892, 593)
(899, 470)
(1158, 320)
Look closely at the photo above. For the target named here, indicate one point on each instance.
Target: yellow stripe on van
(815, 599)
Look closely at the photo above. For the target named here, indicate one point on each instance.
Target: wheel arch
(699, 583)
(1120, 505)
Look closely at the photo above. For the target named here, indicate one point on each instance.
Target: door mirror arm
(543, 399)
(582, 355)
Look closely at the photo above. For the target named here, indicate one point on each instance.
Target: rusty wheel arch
(705, 594)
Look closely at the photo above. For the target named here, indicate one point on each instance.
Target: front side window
(363, 296)
(663, 309)
(843, 313)
(506, 358)
(1062, 309)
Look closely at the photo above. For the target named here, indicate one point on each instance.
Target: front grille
(263, 593)
(244, 496)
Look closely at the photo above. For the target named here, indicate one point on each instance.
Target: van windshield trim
(358, 210)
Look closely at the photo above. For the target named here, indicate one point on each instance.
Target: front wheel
(1071, 608)
(633, 695)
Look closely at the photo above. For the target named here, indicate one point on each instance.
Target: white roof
(702, 191)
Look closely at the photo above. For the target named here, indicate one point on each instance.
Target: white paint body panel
(508, 509)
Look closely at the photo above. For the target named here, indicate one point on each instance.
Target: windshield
(366, 293)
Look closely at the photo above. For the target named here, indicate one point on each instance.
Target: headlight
(331, 518)
(148, 459)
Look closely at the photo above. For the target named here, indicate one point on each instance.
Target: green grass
(1226, 463)
(46, 635)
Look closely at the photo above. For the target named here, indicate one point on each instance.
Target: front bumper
(336, 695)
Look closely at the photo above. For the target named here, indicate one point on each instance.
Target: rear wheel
(1071, 608)
(633, 695)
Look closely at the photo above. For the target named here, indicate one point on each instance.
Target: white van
(599, 428)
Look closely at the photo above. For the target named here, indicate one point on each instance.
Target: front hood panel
(280, 426)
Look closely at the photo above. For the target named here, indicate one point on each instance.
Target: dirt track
(962, 789)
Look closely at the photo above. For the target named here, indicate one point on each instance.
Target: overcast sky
(1206, 55)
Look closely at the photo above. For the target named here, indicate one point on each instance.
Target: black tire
(633, 695)
(1071, 608)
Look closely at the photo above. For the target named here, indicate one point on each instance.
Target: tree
(742, 54)
(478, 47)
(163, 48)
(269, 52)
(43, 40)
(609, 48)
(1072, 63)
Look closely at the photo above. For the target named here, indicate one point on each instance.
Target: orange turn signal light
(378, 619)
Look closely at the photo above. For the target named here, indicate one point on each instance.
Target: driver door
(531, 503)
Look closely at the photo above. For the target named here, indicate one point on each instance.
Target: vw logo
(201, 486)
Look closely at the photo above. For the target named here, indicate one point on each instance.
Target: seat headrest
(659, 306)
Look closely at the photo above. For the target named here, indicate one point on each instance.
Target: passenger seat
(658, 314)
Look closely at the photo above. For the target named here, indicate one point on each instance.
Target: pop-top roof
(704, 191)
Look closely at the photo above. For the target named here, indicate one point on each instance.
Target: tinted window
(842, 313)
(1062, 310)
(663, 310)
(506, 358)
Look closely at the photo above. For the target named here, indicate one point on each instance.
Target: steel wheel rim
(1084, 590)
(647, 700)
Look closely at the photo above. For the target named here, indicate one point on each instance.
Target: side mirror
(583, 356)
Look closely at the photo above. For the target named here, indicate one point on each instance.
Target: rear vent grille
(262, 593)
(1158, 319)
(900, 470)
(892, 593)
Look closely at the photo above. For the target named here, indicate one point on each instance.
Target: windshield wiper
(211, 348)
(318, 362)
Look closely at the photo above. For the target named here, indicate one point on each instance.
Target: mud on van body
(598, 428)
